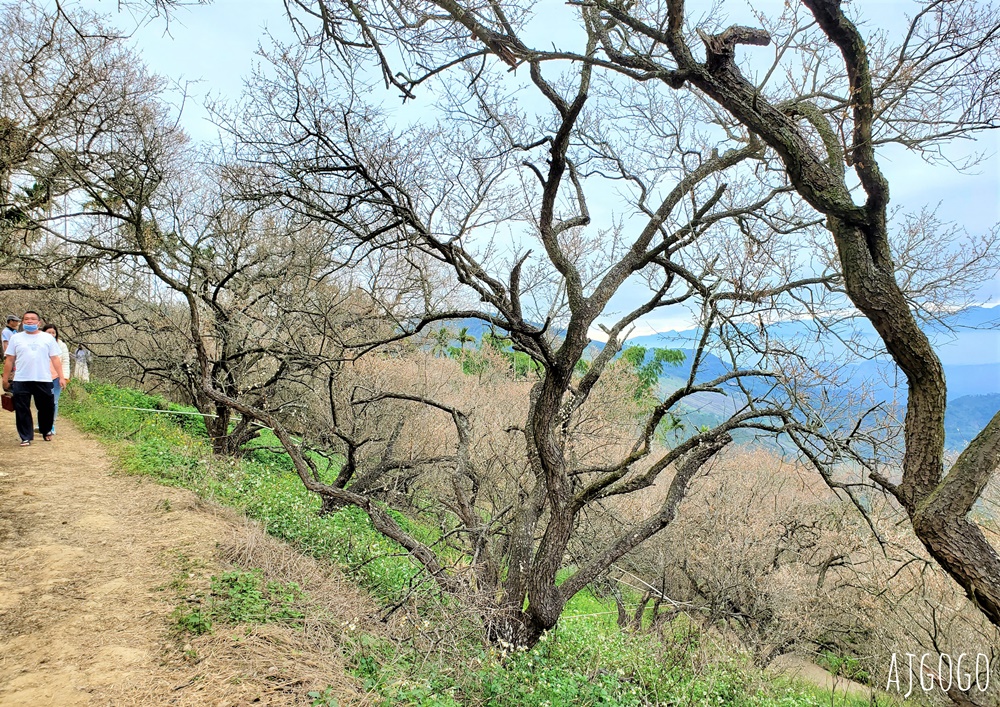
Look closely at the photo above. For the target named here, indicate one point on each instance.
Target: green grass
(580, 663)
(586, 660)
(241, 597)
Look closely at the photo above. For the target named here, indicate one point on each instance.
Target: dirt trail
(87, 562)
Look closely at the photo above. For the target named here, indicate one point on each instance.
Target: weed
(322, 699)
(193, 621)
(241, 597)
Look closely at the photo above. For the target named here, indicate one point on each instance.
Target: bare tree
(891, 105)
(265, 296)
(445, 197)
(831, 99)
(65, 78)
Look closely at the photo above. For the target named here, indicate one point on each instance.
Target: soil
(93, 565)
(797, 667)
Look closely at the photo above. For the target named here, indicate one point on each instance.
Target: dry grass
(267, 664)
(333, 604)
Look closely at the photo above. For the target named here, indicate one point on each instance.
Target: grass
(579, 663)
(586, 660)
(240, 597)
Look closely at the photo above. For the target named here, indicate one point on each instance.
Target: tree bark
(937, 505)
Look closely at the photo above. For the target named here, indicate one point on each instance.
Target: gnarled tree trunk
(937, 503)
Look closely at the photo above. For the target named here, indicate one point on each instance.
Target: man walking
(32, 356)
(8, 331)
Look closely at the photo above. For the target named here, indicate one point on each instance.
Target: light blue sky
(213, 47)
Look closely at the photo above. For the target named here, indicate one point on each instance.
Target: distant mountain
(965, 417)
(969, 347)
(972, 318)
(969, 337)
(974, 380)
(968, 344)
(711, 367)
(887, 381)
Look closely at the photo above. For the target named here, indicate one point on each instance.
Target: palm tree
(441, 340)
(464, 338)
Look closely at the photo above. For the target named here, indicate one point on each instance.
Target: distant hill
(968, 343)
(975, 380)
(969, 337)
(967, 416)
(886, 379)
(969, 346)
(964, 418)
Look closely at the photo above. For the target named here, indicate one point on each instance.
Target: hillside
(166, 618)
(966, 416)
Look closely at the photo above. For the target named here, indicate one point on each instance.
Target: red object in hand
(8, 402)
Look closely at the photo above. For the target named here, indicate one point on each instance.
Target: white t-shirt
(33, 356)
(7, 333)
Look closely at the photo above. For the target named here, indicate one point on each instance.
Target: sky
(211, 49)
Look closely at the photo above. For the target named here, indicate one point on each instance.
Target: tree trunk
(514, 630)
(226, 442)
(940, 521)
(937, 505)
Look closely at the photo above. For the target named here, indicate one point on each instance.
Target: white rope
(585, 616)
(168, 412)
(185, 412)
(651, 588)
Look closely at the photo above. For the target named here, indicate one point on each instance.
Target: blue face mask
(31, 327)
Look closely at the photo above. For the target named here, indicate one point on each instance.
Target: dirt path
(797, 667)
(91, 567)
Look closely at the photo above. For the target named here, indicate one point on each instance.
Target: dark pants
(44, 403)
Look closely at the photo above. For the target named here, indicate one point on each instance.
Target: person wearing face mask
(8, 331)
(29, 362)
